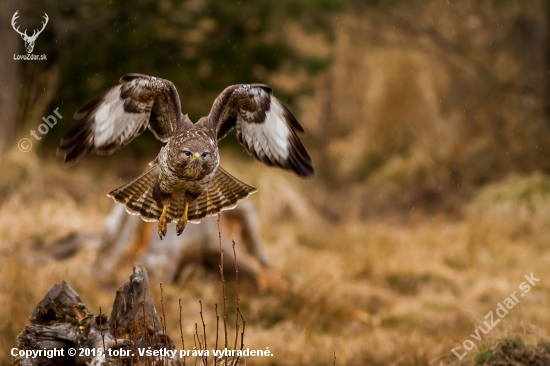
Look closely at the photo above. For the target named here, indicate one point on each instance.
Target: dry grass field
(430, 205)
(397, 290)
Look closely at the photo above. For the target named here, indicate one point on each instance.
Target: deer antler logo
(29, 40)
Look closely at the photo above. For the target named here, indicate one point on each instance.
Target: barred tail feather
(223, 193)
(138, 193)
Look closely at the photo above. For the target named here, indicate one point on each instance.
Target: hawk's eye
(204, 154)
(187, 153)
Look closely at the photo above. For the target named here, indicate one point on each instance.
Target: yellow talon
(162, 222)
(182, 221)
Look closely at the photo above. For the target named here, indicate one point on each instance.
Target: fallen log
(64, 331)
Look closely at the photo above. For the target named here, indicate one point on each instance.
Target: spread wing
(117, 116)
(265, 126)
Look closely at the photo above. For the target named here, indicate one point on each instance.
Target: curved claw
(162, 228)
(179, 230)
(182, 221)
(181, 227)
(162, 223)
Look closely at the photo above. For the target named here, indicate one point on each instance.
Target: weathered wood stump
(64, 331)
(130, 239)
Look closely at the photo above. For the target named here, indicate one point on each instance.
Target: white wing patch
(112, 123)
(269, 139)
(116, 116)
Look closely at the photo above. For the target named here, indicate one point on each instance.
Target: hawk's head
(195, 157)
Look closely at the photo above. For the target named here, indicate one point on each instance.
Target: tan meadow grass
(425, 282)
(429, 211)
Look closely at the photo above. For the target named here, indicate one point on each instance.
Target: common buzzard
(185, 181)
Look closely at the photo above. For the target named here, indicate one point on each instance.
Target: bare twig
(223, 286)
(197, 335)
(135, 326)
(204, 332)
(238, 310)
(154, 342)
(163, 316)
(244, 326)
(146, 335)
(217, 323)
(242, 336)
(181, 333)
(101, 332)
(236, 275)
(236, 297)
(195, 341)
(116, 346)
(155, 339)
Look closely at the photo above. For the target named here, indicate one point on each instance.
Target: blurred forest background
(428, 123)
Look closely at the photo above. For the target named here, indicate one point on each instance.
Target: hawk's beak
(197, 157)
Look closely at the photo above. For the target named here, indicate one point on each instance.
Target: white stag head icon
(29, 40)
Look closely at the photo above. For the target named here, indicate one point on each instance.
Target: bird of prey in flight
(185, 182)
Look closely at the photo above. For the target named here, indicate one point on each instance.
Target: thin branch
(195, 341)
(217, 324)
(196, 335)
(101, 332)
(181, 333)
(164, 332)
(223, 286)
(236, 296)
(135, 326)
(242, 337)
(154, 342)
(242, 333)
(116, 346)
(204, 332)
(146, 335)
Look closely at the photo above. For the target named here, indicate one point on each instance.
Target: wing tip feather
(291, 120)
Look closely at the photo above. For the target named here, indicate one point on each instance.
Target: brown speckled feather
(186, 169)
(223, 193)
(117, 116)
(265, 126)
